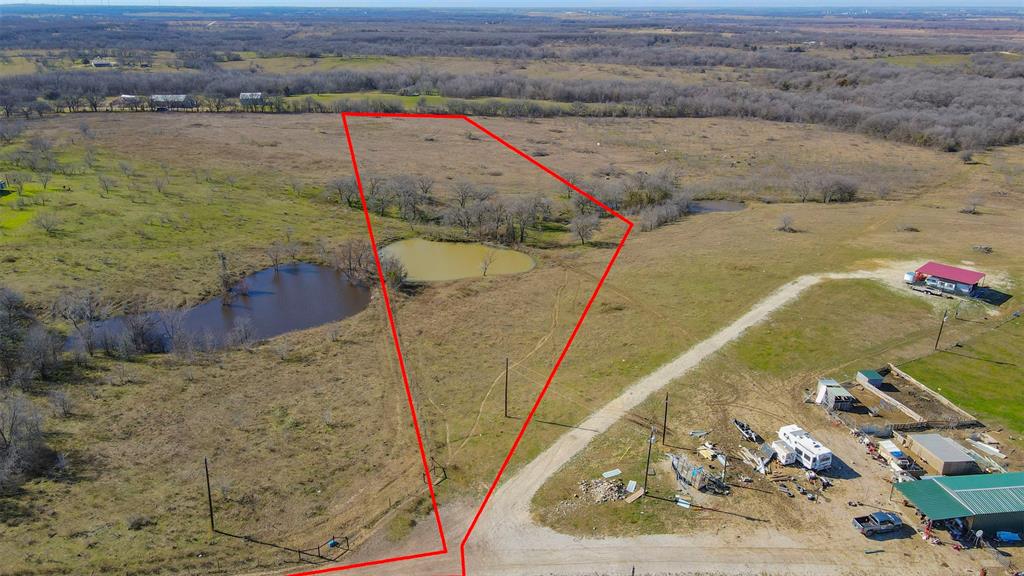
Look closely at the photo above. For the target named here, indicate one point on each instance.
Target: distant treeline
(933, 107)
(640, 37)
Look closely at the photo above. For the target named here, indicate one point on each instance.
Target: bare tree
(10, 130)
(838, 189)
(425, 184)
(378, 193)
(226, 277)
(126, 168)
(81, 309)
(804, 186)
(85, 130)
(583, 226)
(60, 402)
(395, 274)
(487, 260)
(41, 352)
(344, 190)
(160, 183)
(785, 224)
(972, 203)
(355, 258)
(179, 341)
(15, 320)
(18, 180)
(21, 438)
(464, 193)
(48, 222)
(243, 335)
(573, 179)
(406, 193)
(44, 179)
(106, 184)
(276, 252)
(89, 157)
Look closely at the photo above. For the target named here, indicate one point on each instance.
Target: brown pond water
(429, 261)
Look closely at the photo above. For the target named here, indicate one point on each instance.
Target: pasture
(266, 416)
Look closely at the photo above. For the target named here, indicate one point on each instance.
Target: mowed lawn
(984, 375)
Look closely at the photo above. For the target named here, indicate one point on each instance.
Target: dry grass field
(308, 434)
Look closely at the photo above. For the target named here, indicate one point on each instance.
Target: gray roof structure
(941, 447)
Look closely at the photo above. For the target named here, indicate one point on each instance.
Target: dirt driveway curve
(506, 542)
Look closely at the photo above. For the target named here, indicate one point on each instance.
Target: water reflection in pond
(293, 297)
(705, 206)
(429, 261)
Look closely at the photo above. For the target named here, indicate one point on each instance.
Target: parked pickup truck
(877, 523)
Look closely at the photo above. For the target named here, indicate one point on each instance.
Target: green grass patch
(12, 65)
(849, 324)
(136, 235)
(985, 375)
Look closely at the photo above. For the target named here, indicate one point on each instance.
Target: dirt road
(507, 542)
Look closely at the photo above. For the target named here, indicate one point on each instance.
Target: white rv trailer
(809, 452)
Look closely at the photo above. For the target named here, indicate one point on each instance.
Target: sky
(569, 4)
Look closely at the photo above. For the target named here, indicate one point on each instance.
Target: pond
(705, 206)
(293, 297)
(429, 261)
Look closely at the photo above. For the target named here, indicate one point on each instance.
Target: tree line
(938, 108)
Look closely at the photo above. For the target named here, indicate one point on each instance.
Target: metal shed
(833, 396)
(942, 454)
(989, 502)
(871, 377)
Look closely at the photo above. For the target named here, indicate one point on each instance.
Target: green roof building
(989, 502)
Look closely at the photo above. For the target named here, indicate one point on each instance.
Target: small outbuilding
(948, 278)
(172, 101)
(942, 454)
(870, 378)
(987, 502)
(833, 396)
(251, 99)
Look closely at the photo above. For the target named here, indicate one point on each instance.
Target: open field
(853, 145)
(412, 103)
(981, 375)
(671, 288)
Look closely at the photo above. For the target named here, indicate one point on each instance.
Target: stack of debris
(603, 490)
(687, 474)
(758, 460)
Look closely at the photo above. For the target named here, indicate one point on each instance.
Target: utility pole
(506, 387)
(209, 493)
(647, 469)
(945, 316)
(664, 422)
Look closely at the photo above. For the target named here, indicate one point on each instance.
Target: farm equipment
(877, 523)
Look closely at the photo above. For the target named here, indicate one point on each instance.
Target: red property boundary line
(398, 348)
